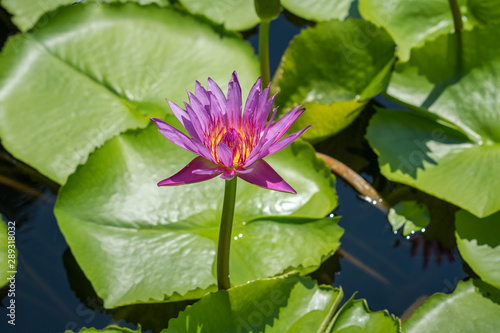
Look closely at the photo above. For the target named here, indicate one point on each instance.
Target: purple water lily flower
(230, 143)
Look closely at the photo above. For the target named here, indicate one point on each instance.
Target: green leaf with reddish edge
(464, 310)
(281, 305)
(478, 241)
(92, 75)
(233, 14)
(356, 317)
(319, 10)
(26, 13)
(412, 22)
(140, 243)
(436, 159)
(333, 69)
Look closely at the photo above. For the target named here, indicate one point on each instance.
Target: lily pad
(436, 159)
(109, 329)
(281, 305)
(6, 265)
(89, 74)
(26, 13)
(334, 68)
(465, 310)
(157, 244)
(356, 317)
(319, 10)
(233, 14)
(451, 148)
(409, 215)
(412, 22)
(478, 241)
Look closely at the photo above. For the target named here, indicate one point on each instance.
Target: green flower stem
(226, 225)
(327, 324)
(457, 16)
(264, 52)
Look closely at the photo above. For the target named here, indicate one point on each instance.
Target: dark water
(390, 271)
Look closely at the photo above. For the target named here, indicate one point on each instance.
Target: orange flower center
(240, 141)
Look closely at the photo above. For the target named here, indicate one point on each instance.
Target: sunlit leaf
(233, 14)
(436, 159)
(355, 316)
(90, 74)
(465, 310)
(26, 13)
(138, 243)
(333, 68)
(281, 305)
(319, 10)
(411, 22)
(450, 147)
(478, 241)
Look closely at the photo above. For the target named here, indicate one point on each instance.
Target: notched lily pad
(333, 69)
(464, 310)
(450, 147)
(92, 75)
(280, 304)
(140, 243)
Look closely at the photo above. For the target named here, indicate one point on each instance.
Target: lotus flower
(230, 143)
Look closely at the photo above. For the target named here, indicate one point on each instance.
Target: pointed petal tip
(157, 121)
(234, 78)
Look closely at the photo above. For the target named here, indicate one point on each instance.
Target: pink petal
(277, 146)
(264, 106)
(219, 95)
(225, 154)
(197, 170)
(201, 93)
(183, 118)
(200, 110)
(283, 124)
(175, 136)
(228, 174)
(273, 133)
(251, 102)
(254, 155)
(216, 115)
(180, 139)
(233, 106)
(195, 120)
(263, 175)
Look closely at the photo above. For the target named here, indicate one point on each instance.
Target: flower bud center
(231, 138)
